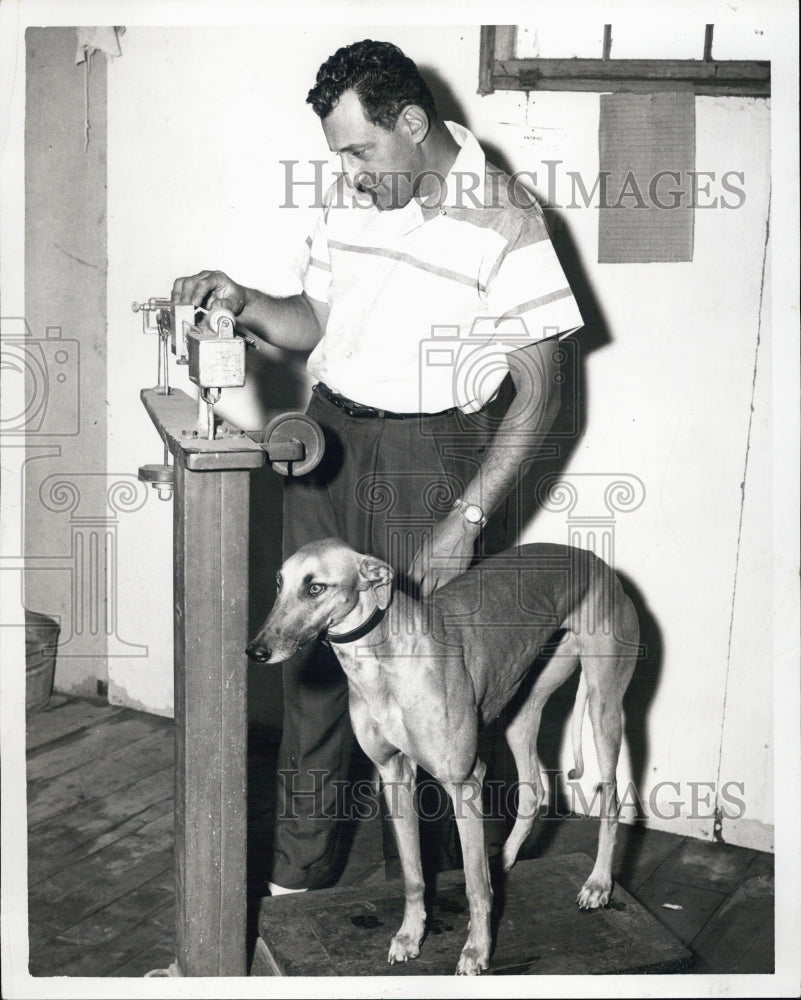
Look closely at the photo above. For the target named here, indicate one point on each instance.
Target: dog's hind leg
(607, 724)
(398, 778)
(608, 661)
(521, 735)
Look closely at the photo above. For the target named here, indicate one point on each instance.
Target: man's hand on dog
(446, 556)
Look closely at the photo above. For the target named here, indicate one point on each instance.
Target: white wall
(194, 144)
(198, 119)
(669, 402)
(71, 506)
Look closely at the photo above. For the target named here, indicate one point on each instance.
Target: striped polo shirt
(427, 300)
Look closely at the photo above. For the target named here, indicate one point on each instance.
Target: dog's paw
(402, 948)
(594, 894)
(473, 961)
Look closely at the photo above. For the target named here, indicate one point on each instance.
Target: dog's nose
(259, 653)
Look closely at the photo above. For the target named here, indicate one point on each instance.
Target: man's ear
(416, 121)
(377, 574)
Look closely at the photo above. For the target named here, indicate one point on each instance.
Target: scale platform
(537, 928)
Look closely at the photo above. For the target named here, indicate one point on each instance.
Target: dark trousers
(381, 487)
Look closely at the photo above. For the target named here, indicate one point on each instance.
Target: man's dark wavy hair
(385, 79)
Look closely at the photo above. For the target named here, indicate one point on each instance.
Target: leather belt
(354, 409)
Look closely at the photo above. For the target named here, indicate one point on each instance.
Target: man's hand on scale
(208, 289)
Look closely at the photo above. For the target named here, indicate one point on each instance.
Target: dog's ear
(377, 574)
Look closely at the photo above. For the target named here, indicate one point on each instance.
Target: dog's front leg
(399, 780)
(466, 796)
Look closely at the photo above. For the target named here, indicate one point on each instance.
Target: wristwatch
(472, 513)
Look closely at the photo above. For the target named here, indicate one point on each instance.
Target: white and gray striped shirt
(427, 300)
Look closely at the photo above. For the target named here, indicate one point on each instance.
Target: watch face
(473, 513)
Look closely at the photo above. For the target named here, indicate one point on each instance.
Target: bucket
(41, 640)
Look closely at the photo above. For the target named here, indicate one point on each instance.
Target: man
(430, 277)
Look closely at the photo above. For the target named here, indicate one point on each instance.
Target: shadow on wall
(571, 421)
(595, 333)
(265, 692)
(553, 736)
(636, 704)
(280, 383)
(278, 378)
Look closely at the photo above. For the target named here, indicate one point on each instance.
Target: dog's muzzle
(258, 652)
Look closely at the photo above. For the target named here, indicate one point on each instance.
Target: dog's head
(319, 587)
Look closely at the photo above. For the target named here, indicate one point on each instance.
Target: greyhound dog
(424, 676)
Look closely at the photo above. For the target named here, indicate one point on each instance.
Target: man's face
(381, 163)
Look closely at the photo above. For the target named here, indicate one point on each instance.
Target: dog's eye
(315, 589)
(278, 582)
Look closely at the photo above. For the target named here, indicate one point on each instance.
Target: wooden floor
(101, 865)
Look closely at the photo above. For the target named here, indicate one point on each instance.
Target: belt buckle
(354, 409)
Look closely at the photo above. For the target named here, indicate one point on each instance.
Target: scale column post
(211, 565)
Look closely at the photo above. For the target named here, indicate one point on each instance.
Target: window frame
(500, 69)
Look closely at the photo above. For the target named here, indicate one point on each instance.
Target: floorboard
(693, 862)
(75, 749)
(104, 775)
(739, 938)
(52, 848)
(685, 909)
(65, 717)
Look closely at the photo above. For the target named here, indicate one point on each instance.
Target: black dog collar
(360, 631)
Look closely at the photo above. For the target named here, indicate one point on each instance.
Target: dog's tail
(576, 726)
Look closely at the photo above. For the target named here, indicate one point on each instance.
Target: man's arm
(295, 323)
(519, 437)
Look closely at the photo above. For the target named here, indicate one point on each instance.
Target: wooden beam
(210, 629)
(486, 59)
(607, 43)
(640, 75)
(497, 41)
(622, 69)
(708, 34)
(505, 41)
